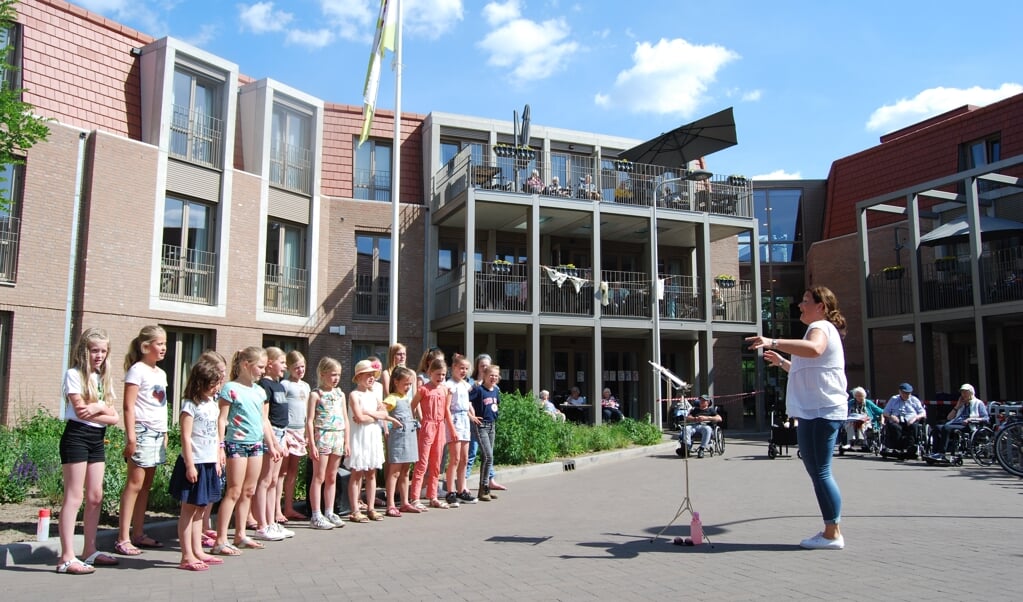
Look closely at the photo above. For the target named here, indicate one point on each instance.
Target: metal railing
(733, 302)
(1002, 274)
(372, 185)
(187, 275)
(10, 231)
(196, 137)
(626, 295)
(569, 292)
(568, 175)
(682, 299)
(372, 303)
(889, 294)
(946, 284)
(285, 290)
(502, 286)
(291, 167)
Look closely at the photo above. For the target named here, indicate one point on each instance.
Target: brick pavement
(586, 534)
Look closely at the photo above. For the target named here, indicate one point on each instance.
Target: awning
(958, 230)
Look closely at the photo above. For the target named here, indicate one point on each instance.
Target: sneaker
(335, 520)
(699, 453)
(819, 542)
(452, 499)
(318, 521)
(279, 528)
(466, 498)
(267, 534)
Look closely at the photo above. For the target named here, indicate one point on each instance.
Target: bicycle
(1008, 446)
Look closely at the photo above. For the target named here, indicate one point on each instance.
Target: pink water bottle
(43, 526)
(696, 529)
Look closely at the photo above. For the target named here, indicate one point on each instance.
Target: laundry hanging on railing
(560, 278)
(604, 297)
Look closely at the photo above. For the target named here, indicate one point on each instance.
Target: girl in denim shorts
(327, 436)
(245, 431)
(145, 435)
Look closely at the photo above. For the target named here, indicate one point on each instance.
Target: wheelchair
(917, 445)
(871, 443)
(976, 441)
(717, 446)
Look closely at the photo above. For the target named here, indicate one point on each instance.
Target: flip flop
(198, 565)
(208, 542)
(281, 520)
(147, 542)
(249, 543)
(393, 512)
(75, 567)
(101, 559)
(409, 508)
(126, 548)
(211, 560)
(439, 504)
(210, 533)
(225, 549)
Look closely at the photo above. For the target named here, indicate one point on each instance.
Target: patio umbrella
(958, 230)
(688, 142)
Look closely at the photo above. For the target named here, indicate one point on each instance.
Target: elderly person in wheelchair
(905, 423)
(968, 411)
(864, 417)
(703, 419)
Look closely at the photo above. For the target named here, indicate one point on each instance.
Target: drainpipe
(72, 266)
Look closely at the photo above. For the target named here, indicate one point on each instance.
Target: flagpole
(396, 179)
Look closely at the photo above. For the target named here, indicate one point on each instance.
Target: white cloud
(351, 19)
(935, 101)
(778, 174)
(206, 34)
(751, 96)
(669, 77)
(310, 39)
(261, 17)
(137, 12)
(432, 18)
(532, 50)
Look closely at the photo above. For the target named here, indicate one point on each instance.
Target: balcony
(577, 177)
(625, 294)
(1002, 273)
(372, 185)
(196, 137)
(291, 167)
(187, 275)
(734, 302)
(566, 290)
(285, 290)
(10, 231)
(502, 286)
(682, 299)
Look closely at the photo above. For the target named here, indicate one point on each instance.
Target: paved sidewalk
(912, 531)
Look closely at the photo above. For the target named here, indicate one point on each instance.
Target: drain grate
(569, 465)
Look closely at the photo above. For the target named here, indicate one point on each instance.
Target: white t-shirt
(151, 402)
(204, 429)
(459, 395)
(73, 385)
(297, 395)
(817, 385)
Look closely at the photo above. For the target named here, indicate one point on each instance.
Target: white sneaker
(335, 520)
(267, 534)
(279, 528)
(318, 521)
(819, 542)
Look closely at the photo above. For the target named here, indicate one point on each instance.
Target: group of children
(244, 428)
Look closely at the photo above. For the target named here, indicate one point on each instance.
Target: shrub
(525, 433)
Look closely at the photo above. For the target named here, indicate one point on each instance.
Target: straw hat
(365, 366)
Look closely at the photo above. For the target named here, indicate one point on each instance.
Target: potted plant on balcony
(725, 280)
(893, 272)
(946, 264)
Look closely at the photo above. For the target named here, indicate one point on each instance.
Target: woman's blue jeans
(817, 438)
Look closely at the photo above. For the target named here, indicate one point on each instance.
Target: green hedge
(30, 459)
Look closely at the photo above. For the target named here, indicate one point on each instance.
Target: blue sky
(811, 81)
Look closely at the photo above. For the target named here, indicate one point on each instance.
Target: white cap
(968, 387)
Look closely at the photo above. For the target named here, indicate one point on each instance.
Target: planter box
(894, 274)
(725, 283)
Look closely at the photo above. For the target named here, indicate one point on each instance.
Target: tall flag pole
(395, 174)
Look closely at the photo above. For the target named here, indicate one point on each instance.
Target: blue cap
(908, 388)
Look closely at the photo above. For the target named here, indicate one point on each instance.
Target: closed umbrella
(688, 142)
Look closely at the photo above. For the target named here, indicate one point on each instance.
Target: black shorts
(82, 443)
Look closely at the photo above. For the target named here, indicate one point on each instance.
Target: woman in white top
(816, 395)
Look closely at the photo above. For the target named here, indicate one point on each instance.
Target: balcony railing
(1002, 273)
(372, 296)
(626, 294)
(291, 167)
(682, 299)
(733, 303)
(187, 275)
(502, 287)
(372, 185)
(566, 290)
(578, 177)
(286, 290)
(10, 231)
(196, 137)
(889, 294)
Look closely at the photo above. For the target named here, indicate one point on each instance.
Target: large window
(287, 277)
(372, 276)
(10, 223)
(184, 346)
(291, 155)
(978, 153)
(372, 171)
(10, 66)
(779, 213)
(188, 270)
(196, 125)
